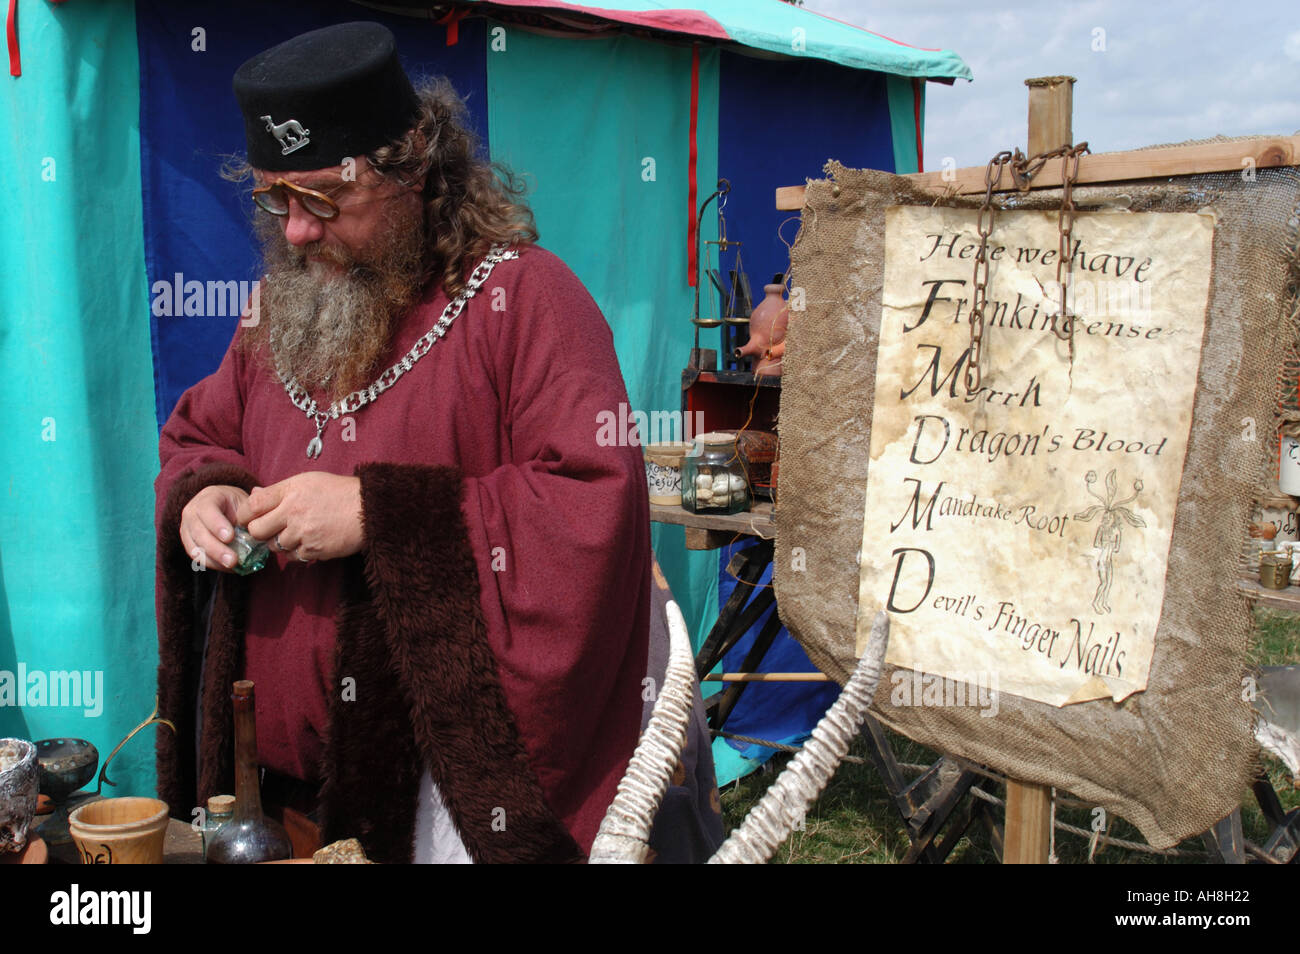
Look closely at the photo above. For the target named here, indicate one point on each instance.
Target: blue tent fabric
(197, 225)
(777, 712)
(778, 127)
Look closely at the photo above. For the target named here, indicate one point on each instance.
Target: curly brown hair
(470, 203)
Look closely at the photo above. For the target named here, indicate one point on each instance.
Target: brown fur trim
(187, 778)
(421, 574)
(372, 769)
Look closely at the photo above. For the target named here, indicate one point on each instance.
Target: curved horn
(770, 822)
(625, 831)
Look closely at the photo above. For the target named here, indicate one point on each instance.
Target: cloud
(1161, 77)
(1291, 47)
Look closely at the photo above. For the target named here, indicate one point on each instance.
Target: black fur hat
(322, 96)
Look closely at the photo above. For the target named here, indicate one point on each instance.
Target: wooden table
(712, 531)
(1287, 600)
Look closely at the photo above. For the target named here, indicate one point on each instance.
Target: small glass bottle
(251, 552)
(250, 836)
(221, 809)
(713, 476)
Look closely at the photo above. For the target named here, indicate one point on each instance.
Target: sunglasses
(274, 198)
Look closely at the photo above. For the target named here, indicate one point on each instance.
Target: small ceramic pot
(120, 831)
(1275, 569)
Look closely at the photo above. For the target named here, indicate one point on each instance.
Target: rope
(994, 800)
(1105, 839)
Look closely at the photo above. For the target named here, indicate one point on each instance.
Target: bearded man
(450, 638)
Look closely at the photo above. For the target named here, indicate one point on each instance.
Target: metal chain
(979, 293)
(1065, 228)
(1023, 170)
(303, 400)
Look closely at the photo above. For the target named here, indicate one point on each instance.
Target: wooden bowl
(120, 831)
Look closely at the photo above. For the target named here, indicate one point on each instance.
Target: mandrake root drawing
(1114, 514)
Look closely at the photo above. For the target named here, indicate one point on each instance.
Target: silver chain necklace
(358, 399)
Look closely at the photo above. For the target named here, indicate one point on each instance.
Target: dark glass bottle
(250, 836)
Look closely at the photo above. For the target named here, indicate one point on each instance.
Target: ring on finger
(279, 546)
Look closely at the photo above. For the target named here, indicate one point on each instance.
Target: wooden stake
(1029, 823)
(766, 677)
(1051, 105)
(1029, 806)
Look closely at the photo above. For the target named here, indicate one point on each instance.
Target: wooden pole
(1051, 105)
(1029, 824)
(1029, 806)
(766, 677)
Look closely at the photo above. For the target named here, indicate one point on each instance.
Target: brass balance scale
(739, 301)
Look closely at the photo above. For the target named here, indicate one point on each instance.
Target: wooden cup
(120, 831)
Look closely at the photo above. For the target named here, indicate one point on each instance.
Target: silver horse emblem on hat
(289, 134)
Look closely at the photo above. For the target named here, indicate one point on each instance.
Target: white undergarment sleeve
(436, 839)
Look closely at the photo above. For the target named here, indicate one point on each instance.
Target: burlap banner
(1175, 757)
(1022, 532)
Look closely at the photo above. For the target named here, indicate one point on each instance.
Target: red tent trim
(691, 235)
(672, 21)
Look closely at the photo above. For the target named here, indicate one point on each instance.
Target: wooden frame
(1028, 807)
(1236, 155)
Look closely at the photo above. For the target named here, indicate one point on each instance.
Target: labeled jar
(663, 471)
(713, 476)
(1288, 464)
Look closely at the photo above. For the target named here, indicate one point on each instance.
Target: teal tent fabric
(76, 383)
(772, 26)
(610, 192)
(902, 122)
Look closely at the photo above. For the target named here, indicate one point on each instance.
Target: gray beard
(328, 330)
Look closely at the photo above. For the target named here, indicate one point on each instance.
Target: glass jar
(663, 472)
(713, 476)
(221, 809)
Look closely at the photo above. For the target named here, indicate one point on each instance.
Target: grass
(855, 822)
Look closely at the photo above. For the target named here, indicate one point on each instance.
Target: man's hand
(315, 516)
(208, 524)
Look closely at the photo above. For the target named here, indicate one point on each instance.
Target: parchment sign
(1021, 534)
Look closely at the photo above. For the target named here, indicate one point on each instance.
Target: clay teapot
(767, 327)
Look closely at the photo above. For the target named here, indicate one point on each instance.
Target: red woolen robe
(494, 626)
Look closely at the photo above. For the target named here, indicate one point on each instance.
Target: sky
(1147, 73)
